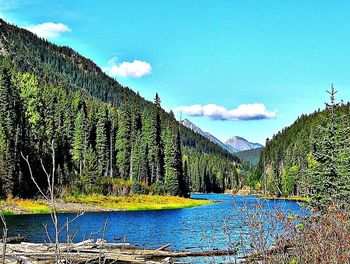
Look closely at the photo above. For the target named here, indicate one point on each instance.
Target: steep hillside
(286, 159)
(100, 128)
(251, 155)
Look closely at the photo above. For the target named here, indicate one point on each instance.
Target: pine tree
(186, 179)
(157, 100)
(136, 130)
(326, 176)
(143, 170)
(174, 184)
(183, 184)
(8, 130)
(135, 159)
(78, 142)
(112, 127)
(153, 132)
(90, 175)
(102, 149)
(123, 141)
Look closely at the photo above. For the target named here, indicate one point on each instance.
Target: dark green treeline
(107, 137)
(93, 141)
(98, 148)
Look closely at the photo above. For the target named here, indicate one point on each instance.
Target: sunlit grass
(33, 206)
(137, 202)
(23, 206)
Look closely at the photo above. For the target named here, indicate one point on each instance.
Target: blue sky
(246, 68)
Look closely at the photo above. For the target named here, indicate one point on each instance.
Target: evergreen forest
(105, 137)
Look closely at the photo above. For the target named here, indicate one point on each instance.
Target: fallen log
(89, 251)
(14, 239)
(151, 254)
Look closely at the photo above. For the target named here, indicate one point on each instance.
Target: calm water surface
(184, 228)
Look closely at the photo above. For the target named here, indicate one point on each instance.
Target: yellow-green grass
(22, 206)
(288, 198)
(137, 202)
(14, 206)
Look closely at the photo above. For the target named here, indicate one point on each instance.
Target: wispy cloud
(135, 69)
(49, 29)
(216, 112)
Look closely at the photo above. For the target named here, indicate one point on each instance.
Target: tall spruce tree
(78, 142)
(328, 148)
(102, 149)
(174, 182)
(8, 130)
(154, 131)
(123, 141)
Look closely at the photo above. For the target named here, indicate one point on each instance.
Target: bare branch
(70, 221)
(47, 175)
(32, 177)
(4, 237)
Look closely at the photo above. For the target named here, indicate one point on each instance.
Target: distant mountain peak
(187, 123)
(241, 143)
(232, 145)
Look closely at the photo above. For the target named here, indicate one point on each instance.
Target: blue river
(203, 227)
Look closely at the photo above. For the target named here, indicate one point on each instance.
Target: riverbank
(99, 203)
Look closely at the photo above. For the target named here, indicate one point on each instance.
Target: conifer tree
(173, 162)
(135, 158)
(112, 127)
(102, 149)
(8, 131)
(79, 142)
(326, 176)
(123, 141)
(186, 179)
(154, 140)
(91, 173)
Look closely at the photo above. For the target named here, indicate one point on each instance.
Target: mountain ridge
(232, 145)
(241, 143)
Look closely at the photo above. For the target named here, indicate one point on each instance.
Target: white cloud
(135, 69)
(49, 29)
(216, 112)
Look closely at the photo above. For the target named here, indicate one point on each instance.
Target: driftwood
(89, 251)
(152, 254)
(15, 239)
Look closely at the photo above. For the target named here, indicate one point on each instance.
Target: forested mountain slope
(287, 162)
(250, 155)
(107, 138)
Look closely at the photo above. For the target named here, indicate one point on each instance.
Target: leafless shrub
(323, 238)
(258, 230)
(50, 198)
(274, 235)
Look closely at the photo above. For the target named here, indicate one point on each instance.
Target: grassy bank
(96, 203)
(289, 198)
